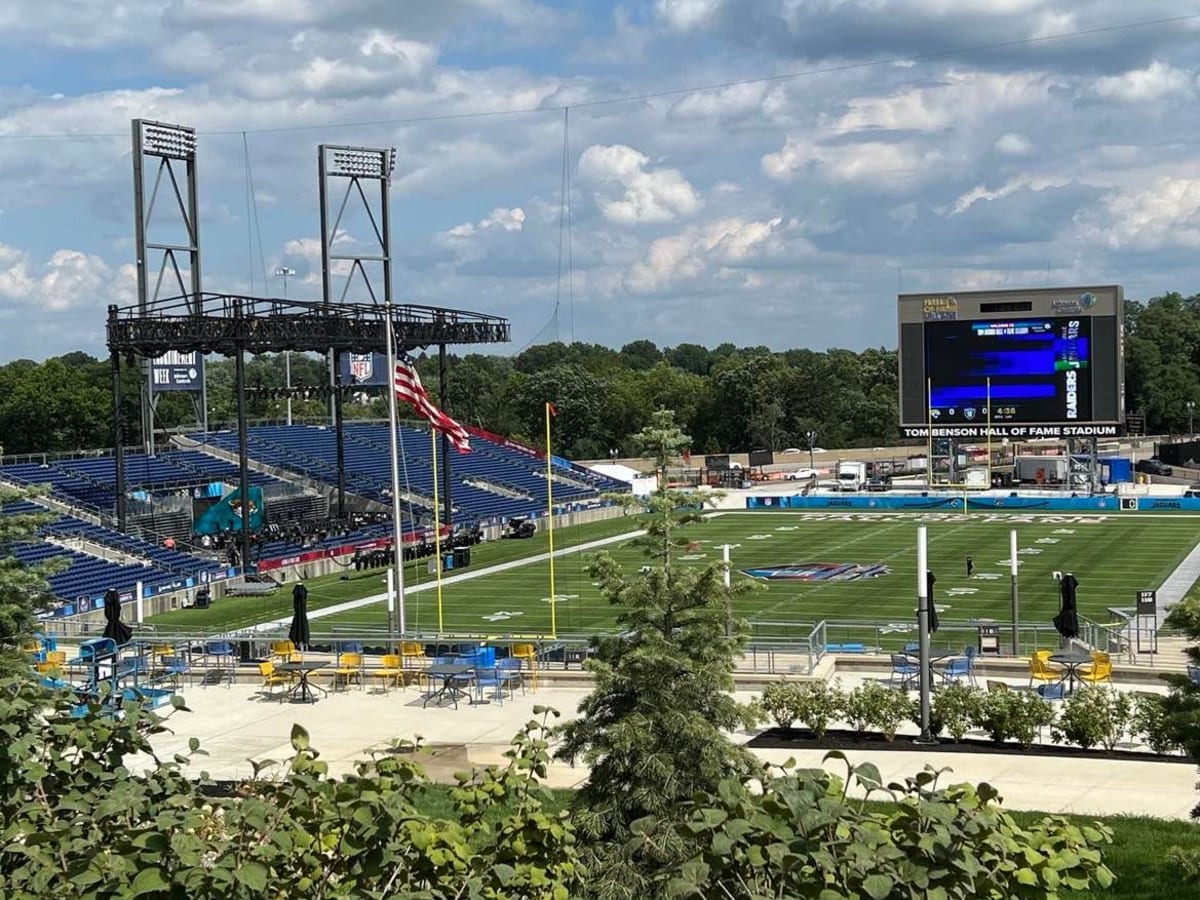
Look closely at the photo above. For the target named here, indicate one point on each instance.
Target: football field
(837, 567)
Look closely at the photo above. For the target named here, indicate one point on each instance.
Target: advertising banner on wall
(367, 369)
(177, 371)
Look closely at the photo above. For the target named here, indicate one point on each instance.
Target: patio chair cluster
(474, 674)
(946, 668)
(1054, 675)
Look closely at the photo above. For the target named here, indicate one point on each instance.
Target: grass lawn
(239, 612)
(1136, 856)
(1112, 556)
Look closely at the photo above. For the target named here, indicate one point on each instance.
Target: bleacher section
(90, 482)
(83, 583)
(518, 477)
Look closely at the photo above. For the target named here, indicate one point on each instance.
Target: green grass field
(1112, 556)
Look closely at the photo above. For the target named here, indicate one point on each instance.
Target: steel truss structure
(234, 325)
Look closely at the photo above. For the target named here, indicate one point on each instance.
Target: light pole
(1191, 405)
(812, 442)
(284, 272)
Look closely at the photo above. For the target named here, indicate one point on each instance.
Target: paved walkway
(236, 723)
(1178, 583)
(447, 581)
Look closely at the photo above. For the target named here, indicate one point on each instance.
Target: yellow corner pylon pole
(437, 527)
(550, 528)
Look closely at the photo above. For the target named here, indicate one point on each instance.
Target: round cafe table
(1071, 660)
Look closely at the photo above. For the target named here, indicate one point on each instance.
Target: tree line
(728, 398)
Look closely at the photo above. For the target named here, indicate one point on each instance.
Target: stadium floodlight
(356, 162)
(171, 141)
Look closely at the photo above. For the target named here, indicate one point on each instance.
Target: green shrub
(819, 704)
(781, 702)
(1094, 715)
(802, 837)
(874, 706)
(1150, 721)
(1014, 715)
(956, 709)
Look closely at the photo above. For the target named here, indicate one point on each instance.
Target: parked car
(804, 474)
(879, 483)
(1155, 466)
(793, 450)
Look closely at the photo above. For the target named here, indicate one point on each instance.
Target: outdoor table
(448, 675)
(303, 687)
(936, 654)
(1071, 660)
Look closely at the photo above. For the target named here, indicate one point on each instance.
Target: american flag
(410, 390)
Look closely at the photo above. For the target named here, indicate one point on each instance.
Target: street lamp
(1191, 405)
(812, 442)
(284, 272)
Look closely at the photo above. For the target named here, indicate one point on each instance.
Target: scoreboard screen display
(1029, 368)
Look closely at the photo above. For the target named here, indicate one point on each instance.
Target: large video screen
(1030, 369)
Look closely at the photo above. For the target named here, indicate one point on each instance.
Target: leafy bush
(802, 837)
(1094, 715)
(1015, 715)
(780, 700)
(873, 706)
(956, 709)
(74, 821)
(820, 703)
(1151, 722)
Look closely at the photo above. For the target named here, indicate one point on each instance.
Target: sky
(757, 171)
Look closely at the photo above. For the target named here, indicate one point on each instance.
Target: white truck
(851, 475)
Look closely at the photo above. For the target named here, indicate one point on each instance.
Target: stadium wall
(980, 504)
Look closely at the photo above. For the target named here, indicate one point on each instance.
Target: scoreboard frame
(1102, 305)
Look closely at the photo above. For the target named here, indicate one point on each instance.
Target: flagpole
(550, 527)
(437, 526)
(397, 524)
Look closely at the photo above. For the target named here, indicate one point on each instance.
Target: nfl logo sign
(361, 366)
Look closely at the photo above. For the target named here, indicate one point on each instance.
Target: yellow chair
(411, 650)
(1100, 670)
(391, 669)
(286, 651)
(272, 679)
(527, 653)
(349, 668)
(1041, 670)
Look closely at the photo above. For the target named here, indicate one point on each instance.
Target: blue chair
(960, 667)
(509, 671)
(833, 648)
(1056, 691)
(225, 661)
(854, 648)
(175, 669)
(905, 668)
(489, 678)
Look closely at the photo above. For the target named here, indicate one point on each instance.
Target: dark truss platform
(234, 325)
(227, 323)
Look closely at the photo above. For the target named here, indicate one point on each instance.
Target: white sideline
(448, 580)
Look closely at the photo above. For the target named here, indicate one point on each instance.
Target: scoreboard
(1042, 363)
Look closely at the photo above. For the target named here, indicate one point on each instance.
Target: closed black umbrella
(113, 626)
(1066, 622)
(934, 624)
(298, 634)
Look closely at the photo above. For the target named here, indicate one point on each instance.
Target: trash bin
(447, 562)
(989, 638)
(462, 557)
(203, 599)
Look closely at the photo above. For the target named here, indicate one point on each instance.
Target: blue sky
(874, 145)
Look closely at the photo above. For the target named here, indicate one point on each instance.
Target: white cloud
(504, 219)
(726, 243)
(1012, 144)
(884, 165)
(1163, 213)
(68, 280)
(685, 15)
(1154, 82)
(1020, 183)
(648, 196)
